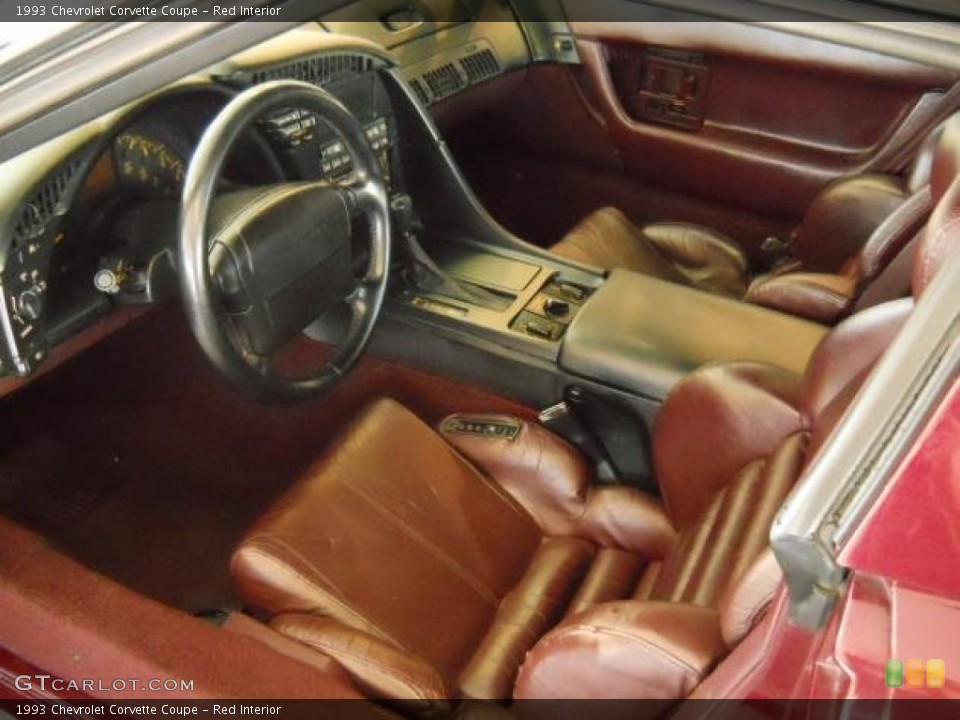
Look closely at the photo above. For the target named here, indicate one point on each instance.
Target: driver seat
(430, 564)
(433, 565)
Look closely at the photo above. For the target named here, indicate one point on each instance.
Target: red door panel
(775, 118)
(780, 115)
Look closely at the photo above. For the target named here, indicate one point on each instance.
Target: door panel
(775, 117)
(780, 120)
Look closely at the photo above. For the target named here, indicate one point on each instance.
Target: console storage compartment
(641, 334)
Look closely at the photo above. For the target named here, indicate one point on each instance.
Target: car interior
(447, 355)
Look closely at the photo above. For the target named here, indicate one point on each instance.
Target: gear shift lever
(422, 272)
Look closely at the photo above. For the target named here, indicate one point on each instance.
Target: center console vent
(444, 77)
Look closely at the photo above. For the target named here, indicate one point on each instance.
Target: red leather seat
(850, 234)
(436, 565)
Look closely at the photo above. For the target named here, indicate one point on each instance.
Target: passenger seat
(849, 236)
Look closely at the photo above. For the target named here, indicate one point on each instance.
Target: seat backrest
(843, 362)
(858, 225)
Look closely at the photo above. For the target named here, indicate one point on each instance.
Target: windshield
(17, 38)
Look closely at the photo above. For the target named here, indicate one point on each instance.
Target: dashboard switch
(30, 304)
(539, 329)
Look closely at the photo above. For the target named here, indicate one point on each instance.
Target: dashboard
(92, 224)
(99, 229)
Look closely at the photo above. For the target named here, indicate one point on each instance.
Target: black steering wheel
(257, 266)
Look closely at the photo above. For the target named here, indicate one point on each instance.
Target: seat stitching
(334, 650)
(502, 494)
(623, 634)
(303, 579)
(283, 544)
(762, 606)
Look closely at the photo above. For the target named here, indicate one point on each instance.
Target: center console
(525, 304)
(600, 351)
(627, 332)
(513, 318)
(642, 334)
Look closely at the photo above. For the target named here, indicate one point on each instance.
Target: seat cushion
(624, 650)
(843, 216)
(716, 422)
(682, 253)
(821, 297)
(730, 534)
(393, 534)
(528, 611)
(608, 239)
(708, 259)
(424, 578)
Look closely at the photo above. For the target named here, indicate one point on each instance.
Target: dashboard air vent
(49, 201)
(444, 81)
(438, 81)
(319, 70)
(480, 66)
(421, 91)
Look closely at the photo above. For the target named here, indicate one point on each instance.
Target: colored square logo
(894, 674)
(936, 674)
(916, 673)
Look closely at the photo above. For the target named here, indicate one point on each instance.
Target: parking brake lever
(422, 272)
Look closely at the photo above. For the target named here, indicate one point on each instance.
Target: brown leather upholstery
(552, 481)
(715, 422)
(849, 235)
(426, 579)
(378, 668)
(679, 252)
(821, 297)
(939, 238)
(426, 575)
(421, 576)
(729, 444)
(843, 216)
(745, 601)
(727, 538)
(625, 650)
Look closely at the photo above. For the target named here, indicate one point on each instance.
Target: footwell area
(137, 459)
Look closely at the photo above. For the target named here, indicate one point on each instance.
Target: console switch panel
(547, 316)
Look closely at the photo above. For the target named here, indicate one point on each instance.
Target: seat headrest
(941, 238)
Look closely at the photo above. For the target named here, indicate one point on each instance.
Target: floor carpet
(136, 459)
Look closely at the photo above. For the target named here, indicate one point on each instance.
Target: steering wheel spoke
(282, 253)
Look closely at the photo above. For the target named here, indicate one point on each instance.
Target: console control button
(537, 326)
(572, 292)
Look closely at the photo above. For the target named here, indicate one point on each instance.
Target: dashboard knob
(30, 304)
(108, 280)
(556, 308)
